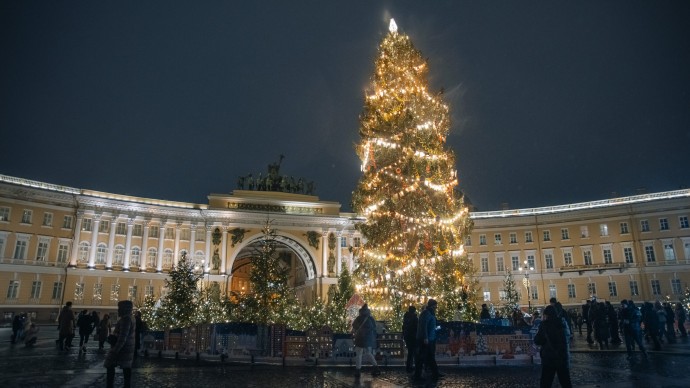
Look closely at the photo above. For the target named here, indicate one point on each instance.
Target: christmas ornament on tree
(416, 220)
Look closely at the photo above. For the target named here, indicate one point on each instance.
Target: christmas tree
(415, 218)
(337, 313)
(512, 296)
(179, 306)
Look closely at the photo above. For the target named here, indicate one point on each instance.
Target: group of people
(24, 330)
(124, 337)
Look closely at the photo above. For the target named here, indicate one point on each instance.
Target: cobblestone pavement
(45, 366)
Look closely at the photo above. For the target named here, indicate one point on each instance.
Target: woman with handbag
(555, 358)
(122, 351)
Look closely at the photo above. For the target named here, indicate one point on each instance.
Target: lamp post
(525, 270)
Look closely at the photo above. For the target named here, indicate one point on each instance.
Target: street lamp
(526, 268)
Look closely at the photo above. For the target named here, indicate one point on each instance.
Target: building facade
(60, 243)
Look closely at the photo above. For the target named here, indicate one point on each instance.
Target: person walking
(631, 318)
(661, 316)
(409, 329)
(140, 329)
(103, 331)
(364, 331)
(601, 324)
(17, 327)
(586, 308)
(122, 352)
(426, 342)
(681, 317)
(31, 336)
(614, 329)
(651, 324)
(554, 349)
(85, 325)
(670, 323)
(66, 325)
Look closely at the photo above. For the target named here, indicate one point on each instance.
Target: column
(144, 247)
(77, 236)
(324, 254)
(161, 239)
(128, 243)
(111, 244)
(94, 241)
(224, 250)
(208, 249)
(192, 243)
(176, 253)
(338, 266)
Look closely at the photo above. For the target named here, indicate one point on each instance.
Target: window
(57, 291)
(568, 258)
(676, 288)
(121, 228)
(119, 255)
(547, 235)
(608, 258)
(151, 257)
(587, 255)
(528, 237)
(515, 260)
(138, 230)
(13, 289)
(98, 292)
(683, 222)
(565, 234)
(42, 250)
(531, 263)
(104, 226)
(571, 291)
(584, 231)
(3, 241)
(79, 292)
(101, 253)
(513, 238)
(47, 219)
(63, 249)
(132, 292)
(357, 242)
(644, 225)
(628, 253)
(649, 252)
(86, 224)
(115, 292)
(185, 234)
(656, 287)
(534, 292)
(36, 289)
(343, 242)
(502, 295)
(4, 214)
(500, 267)
(83, 255)
(26, 216)
(20, 249)
(497, 239)
(663, 223)
(624, 228)
(67, 222)
(613, 290)
(167, 258)
(482, 239)
(485, 264)
(487, 296)
(603, 230)
(592, 289)
(134, 257)
(669, 253)
(468, 241)
(170, 233)
(634, 291)
(548, 260)
(552, 290)
(153, 231)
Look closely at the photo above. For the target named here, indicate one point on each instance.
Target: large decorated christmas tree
(416, 220)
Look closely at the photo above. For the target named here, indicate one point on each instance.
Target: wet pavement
(45, 366)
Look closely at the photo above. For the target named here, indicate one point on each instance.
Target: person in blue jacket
(426, 342)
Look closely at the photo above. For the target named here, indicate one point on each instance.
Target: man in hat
(426, 342)
(409, 329)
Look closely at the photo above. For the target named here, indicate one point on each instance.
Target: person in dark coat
(140, 329)
(103, 331)
(485, 314)
(364, 331)
(554, 349)
(85, 325)
(426, 342)
(66, 324)
(613, 323)
(17, 327)
(670, 323)
(601, 324)
(409, 329)
(651, 324)
(631, 318)
(587, 320)
(681, 317)
(122, 352)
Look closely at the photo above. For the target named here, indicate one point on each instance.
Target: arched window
(101, 253)
(167, 258)
(83, 252)
(119, 256)
(199, 259)
(135, 256)
(151, 257)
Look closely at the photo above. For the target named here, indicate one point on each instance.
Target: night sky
(552, 102)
